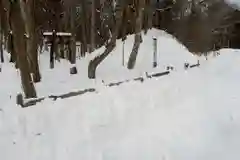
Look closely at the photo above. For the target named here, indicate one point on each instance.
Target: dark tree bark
(110, 46)
(18, 29)
(138, 36)
(10, 48)
(32, 44)
(53, 48)
(93, 27)
(5, 14)
(84, 29)
(1, 33)
(1, 47)
(73, 37)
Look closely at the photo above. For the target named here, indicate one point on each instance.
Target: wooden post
(154, 52)
(1, 46)
(123, 54)
(52, 50)
(53, 35)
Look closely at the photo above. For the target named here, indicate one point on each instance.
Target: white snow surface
(234, 3)
(187, 115)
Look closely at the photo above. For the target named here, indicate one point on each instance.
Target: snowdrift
(188, 115)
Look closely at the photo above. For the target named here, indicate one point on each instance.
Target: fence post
(154, 52)
(123, 53)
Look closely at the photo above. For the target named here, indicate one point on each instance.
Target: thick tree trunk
(138, 37)
(124, 23)
(149, 8)
(5, 14)
(33, 50)
(134, 53)
(148, 14)
(18, 29)
(11, 50)
(110, 46)
(28, 14)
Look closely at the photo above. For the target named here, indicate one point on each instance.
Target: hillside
(188, 115)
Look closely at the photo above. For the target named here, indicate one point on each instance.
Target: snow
(58, 34)
(187, 115)
(234, 3)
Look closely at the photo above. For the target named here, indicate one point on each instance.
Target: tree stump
(19, 99)
(73, 70)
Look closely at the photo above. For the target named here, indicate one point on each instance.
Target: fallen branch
(158, 74)
(64, 96)
(195, 65)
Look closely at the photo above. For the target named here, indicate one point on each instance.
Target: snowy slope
(170, 52)
(188, 115)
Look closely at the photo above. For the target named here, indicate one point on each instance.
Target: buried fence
(32, 102)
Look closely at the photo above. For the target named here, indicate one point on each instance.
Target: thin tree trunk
(5, 12)
(53, 49)
(1, 47)
(110, 46)
(18, 29)
(73, 37)
(93, 20)
(1, 38)
(138, 36)
(84, 30)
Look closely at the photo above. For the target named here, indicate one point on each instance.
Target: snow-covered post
(154, 52)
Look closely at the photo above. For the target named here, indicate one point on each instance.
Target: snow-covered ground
(187, 115)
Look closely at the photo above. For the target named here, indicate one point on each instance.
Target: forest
(27, 26)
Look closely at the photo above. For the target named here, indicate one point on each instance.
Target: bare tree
(73, 37)
(18, 29)
(110, 45)
(93, 23)
(84, 27)
(1, 39)
(1, 48)
(28, 14)
(138, 36)
(148, 15)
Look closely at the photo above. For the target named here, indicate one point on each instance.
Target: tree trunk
(73, 37)
(1, 47)
(33, 50)
(1, 39)
(5, 13)
(28, 14)
(150, 14)
(138, 36)
(110, 46)
(53, 49)
(93, 30)
(11, 50)
(18, 29)
(84, 30)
